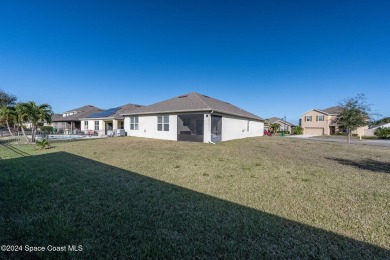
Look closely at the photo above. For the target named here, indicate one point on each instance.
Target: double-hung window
(134, 123)
(320, 118)
(86, 125)
(307, 118)
(96, 125)
(163, 123)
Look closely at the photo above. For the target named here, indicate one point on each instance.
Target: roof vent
(138, 105)
(182, 96)
(206, 96)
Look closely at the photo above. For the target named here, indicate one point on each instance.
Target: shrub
(43, 144)
(298, 130)
(382, 132)
(48, 129)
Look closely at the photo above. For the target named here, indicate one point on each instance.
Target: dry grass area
(256, 197)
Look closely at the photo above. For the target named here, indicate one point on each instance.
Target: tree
(36, 113)
(7, 114)
(275, 127)
(382, 132)
(354, 113)
(7, 99)
(21, 117)
(298, 130)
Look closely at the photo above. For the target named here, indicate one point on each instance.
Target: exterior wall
(232, 128)
(360, 131)
(91, 126)
(316, 124)
(371, 131)
(287, 126)
(147, 127)
(236, 128)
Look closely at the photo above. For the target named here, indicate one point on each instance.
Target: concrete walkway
(378, 142)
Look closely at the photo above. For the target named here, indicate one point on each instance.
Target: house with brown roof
(284, 125)
(107, 121)
(193, 117)
(323, 122)
(69, 122)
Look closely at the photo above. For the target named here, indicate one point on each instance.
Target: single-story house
(370, 131)
(284, 125)
(104, 122)
(193, 117)
(323, 122)
(70, 121)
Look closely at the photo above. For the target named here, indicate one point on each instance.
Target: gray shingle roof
(193, 102)
(81, 112)
(331, 110)
(274, 119)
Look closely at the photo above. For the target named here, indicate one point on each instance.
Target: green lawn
(252, 198)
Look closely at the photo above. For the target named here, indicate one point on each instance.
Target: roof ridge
(201, 99)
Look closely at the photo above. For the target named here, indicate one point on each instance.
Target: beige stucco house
(323, 122)
(284, 125)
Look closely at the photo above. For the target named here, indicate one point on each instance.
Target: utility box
(120, 132)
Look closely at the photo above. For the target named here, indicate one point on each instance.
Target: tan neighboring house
(323, 122)
(69, 122)
(107, 121)
(284, 125)
(370, 131)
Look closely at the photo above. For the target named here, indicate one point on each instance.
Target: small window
(86, 125)
(307, 118)
(134, 123)
(320, 118)
(163, 123)
(96, 125)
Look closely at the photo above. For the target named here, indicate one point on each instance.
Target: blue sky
(272, 58)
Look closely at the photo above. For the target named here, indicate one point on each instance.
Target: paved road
(385, 143)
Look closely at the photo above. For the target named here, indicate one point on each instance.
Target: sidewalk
(385, 143)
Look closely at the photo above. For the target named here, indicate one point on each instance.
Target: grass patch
(122, 198)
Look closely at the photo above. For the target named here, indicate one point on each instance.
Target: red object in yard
(267, 133)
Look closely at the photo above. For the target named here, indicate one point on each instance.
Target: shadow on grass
(61, 199)
(13, 149)
(366, 164)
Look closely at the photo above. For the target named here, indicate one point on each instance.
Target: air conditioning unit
(120, 132)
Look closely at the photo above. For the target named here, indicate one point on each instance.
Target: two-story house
(323, 122)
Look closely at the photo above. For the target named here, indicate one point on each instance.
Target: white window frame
(308, 118)
(96, 125)
(86, 124)
(320, 118)
(134, 123)
(163, 123)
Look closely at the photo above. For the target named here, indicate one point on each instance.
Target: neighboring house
(370, 131)
(193, 117)
(284, 125)
(323, 122)
(70, 121)
(104, 122)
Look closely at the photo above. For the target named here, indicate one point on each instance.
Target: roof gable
(281, 120)
(81, 112)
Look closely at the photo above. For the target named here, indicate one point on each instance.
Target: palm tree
(275, 127)
(21, 117)
(36, 113)
(8, 114)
